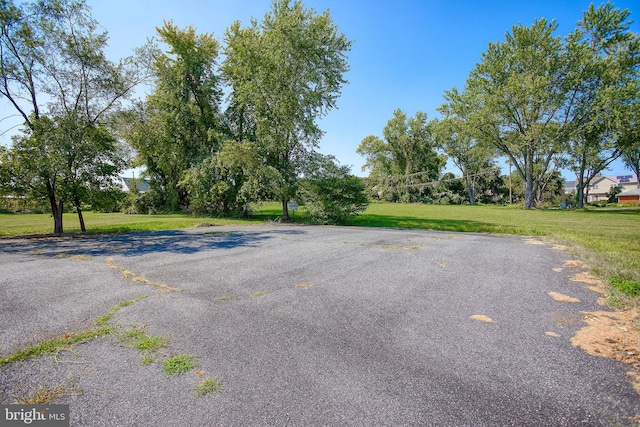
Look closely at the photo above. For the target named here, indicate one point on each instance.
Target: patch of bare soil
(586, 277)
(612, 334)
(562, 297)
(590, 279)
(533, 241)
(482, 318)
(575, 264)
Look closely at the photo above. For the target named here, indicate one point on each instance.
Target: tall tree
(179, 124)
(288, 71)
(54, 73)
(406, 159)
(475, 160)
(519, 97)
(605, 59)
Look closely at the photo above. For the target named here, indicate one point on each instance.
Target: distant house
(600, 185)
(631, 196)
(569, 187)
(127, 184)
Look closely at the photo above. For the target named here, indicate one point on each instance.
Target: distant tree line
(215, 136)
(542, 101)
(212, 137)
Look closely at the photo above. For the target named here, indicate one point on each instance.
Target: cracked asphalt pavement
(308, 325)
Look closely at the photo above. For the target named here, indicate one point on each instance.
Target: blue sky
(405, 53)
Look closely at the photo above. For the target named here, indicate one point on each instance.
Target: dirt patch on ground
(482, 318)
(534, 242)
(574, 263)
(567, 318)
(590, 279)
(562, 297)
(586, 277)
(612, 334)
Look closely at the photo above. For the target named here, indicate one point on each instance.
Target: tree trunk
(580, 187)
(585, 197)
(56, 209)
(285, 210)
(80, 217)
(529, 193)
(471, 188)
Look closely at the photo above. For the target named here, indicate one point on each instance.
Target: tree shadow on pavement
(132, 244)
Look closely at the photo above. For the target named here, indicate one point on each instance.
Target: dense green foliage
(285, 72)
(476, 161)
(539, 99)
(405, 161)
(331, 194)
(54, 74)
(215, 139)
(178, 126)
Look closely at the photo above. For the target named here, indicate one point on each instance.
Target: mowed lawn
(607, 239)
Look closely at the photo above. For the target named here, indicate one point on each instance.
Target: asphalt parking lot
(307, 325)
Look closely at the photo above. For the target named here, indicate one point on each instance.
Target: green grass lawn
(607, 239)
(28, 224)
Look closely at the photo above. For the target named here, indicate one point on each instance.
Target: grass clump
(147, 360)
(179, 364)
(105, 318)
(626, 286)
(47, 394)
(139, 339)
(207, 386)
(67, 340)
(56, 345)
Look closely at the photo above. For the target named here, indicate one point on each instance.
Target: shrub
(331, 194)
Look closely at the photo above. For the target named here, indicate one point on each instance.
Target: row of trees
(215, 137)
(212, 138)
(407, 164)
(543, 102)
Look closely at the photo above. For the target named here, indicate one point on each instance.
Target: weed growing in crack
(138, 338)
(224, 298)
(55, 345)
(207, 386)
(179, 364)
(147, 360)
(66, 341)
(105, 318)
(46, 394)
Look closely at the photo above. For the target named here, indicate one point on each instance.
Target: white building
(600, 185)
